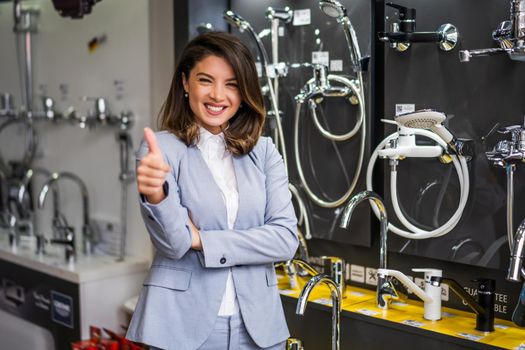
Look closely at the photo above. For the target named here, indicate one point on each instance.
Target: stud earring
(186, 94)
(241, 105)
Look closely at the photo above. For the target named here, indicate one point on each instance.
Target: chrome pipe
(510, 168)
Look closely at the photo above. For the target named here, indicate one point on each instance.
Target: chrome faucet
(336, 304)
(385, 287)
(88, 238)
(510, 36)
(506, 154)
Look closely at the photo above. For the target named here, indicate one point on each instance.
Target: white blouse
(220, 163)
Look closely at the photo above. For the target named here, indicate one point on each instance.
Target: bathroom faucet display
(401, 144)
(336, 304)
(432, 302)
(403, 33)
(484, 307)
(510, 36)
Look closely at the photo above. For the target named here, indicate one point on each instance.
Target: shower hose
(357, 89)
(412, 231)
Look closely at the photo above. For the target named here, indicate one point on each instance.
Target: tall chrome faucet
(87, 233)
(516, 270)
(385, 285)
(336, 304)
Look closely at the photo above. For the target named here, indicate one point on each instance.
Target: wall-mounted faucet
(484, 307)
(88, 239)
(510, 36)
(336, 304)
(506, 154)
(384, 284)
(403, 33)
(432, 304)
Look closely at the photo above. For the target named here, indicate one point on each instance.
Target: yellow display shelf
(455, 323)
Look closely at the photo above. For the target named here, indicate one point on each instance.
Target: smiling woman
(213, 93)
(214, 198)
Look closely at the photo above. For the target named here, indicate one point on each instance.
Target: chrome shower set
(17, 210)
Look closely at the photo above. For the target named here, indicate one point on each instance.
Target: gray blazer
(182, 293)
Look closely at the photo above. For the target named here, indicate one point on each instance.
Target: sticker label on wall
(444, 292)
(301, 17)
(371, 276)
(402, 108)
(62, 309)
(357, 273)
(336, 65)
(320, 57)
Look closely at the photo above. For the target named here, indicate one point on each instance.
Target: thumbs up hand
(152, 170)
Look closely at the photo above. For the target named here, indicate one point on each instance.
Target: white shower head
(332, 8)
(422, 119)
(427, 119)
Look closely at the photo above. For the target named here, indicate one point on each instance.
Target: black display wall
(324, 164)
(474, 95)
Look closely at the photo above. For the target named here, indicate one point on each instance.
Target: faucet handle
(429, 273)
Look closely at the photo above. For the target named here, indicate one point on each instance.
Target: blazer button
(223, 260)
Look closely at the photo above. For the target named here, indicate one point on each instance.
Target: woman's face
(213, 93)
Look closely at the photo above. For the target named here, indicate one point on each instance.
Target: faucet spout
(336, 304)
(383, 218)
(466, 55)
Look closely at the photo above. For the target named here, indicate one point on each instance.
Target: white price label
(413, 323)
(302, 17)
(336, 65)
(323, 301)
(368, 312)
(258, 67)
(470, 336)
(320, 57)
(402, 108)
(501, 326)
(287, 291)
(357, 273)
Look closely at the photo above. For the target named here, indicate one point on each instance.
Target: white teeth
(215, 108)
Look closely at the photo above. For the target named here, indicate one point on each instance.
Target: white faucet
(429, 296)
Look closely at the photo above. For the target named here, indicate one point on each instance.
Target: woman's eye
(204, 80)
(234, 85)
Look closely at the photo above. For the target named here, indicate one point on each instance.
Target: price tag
(301, 17)
(287, 291)
(399, 303)
(501, 326)
(473, 337)
(320, 57)
(336, 65)
(368, 312)
(323, 301)
(413, 323)
(402, 108)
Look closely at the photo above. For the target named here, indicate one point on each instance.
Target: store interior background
(132, 69)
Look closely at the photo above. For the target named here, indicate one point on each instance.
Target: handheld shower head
(433, 120)
(422, 119)
(332, 8)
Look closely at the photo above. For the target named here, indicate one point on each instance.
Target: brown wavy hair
(246, 126)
